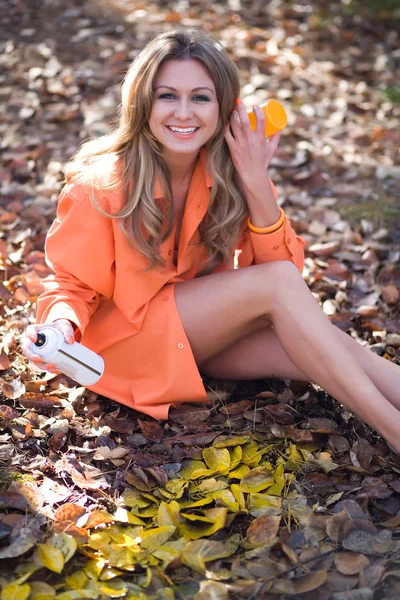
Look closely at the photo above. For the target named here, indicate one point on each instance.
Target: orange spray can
(275, 117)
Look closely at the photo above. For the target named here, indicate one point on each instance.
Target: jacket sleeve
(284, 244)
(79, 249)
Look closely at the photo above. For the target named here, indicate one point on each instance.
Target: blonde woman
(143, 244)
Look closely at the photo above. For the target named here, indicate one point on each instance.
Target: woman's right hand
(31, 332)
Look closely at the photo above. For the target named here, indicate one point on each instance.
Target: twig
(287, 571)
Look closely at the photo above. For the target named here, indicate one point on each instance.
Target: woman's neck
(181, 168)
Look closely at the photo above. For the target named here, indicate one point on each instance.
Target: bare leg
(222, 308)
(261, 355)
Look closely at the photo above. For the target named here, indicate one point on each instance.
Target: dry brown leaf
(69, 512)
(151, 430)
(350, 563)
(12, 389)
(264, 529)
(310, 581)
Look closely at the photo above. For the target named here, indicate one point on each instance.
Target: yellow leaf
(251, 454)
(239, 472)
(114, 589)
(66, 543)
(197, 553)
(51, 557)
(256, 480)
(78, 595)
(236, 456)
(14, 591)
(41, 591)
(77, 580)
(168, 514)
(154, 538)
(217, 459)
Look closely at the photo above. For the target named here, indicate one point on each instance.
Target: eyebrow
(193, 90)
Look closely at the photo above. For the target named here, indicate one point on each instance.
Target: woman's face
(185, 110)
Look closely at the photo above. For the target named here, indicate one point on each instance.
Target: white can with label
(78, 362)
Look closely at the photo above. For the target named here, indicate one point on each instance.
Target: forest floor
(274, 490)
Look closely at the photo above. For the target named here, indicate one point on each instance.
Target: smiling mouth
(183, 130)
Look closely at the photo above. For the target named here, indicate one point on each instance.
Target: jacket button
(275, 247)
(288, 240)
(180, 346)
(169, 252)
(166, 298)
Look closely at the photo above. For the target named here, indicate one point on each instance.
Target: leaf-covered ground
(274, 490)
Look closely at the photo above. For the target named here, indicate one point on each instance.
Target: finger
(66, 329)
(260, 122)
(235, 124)
(273, 143)
(228, 136)
(31, 332)
(243, 118)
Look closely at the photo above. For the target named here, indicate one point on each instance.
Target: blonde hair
(140, 153)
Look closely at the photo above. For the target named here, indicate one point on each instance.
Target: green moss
(7, 477)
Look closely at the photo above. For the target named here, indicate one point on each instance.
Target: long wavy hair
(144, 222)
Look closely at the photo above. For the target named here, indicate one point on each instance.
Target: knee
(272, 281)
(280, 273)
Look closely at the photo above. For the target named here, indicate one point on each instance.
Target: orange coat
(130, 317)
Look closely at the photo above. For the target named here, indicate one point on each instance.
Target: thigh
(218, 310)
(257, 356)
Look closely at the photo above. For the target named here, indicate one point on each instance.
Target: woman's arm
(80, 249)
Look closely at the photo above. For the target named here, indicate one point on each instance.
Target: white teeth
(183, 129)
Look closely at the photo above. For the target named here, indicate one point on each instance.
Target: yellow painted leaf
(114, 589)
(146, 513)
(122, 515)
(238, 495)
(189, 466)
(197, 503)
(225, 441)
(177, 486)
(120, 557)
(171, 550)
(256, 480)
(198, 552)
(277, 487)
(134, 499)
(78, 595)
(93, 568)
(99, 540)
(66, 543)
(195, 517)
(236, 456)
(251, 454)
(217, 459)
(110, 573)
(239, 472)
(168, 514)
(77, 580)
(211, 485)
(197, 530)
(154, 538)
(226, 498)
(41, 591)
(51, 557)
(14, 591)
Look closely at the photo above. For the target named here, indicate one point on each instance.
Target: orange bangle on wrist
(269, 229)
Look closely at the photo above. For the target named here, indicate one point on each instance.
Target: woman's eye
(199, 97)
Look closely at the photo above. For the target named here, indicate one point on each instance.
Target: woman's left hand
(251, 151)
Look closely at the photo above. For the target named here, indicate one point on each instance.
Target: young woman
(143, 244)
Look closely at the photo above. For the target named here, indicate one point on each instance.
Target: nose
(183, 110)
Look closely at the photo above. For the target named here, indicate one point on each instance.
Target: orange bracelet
(271, 228)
